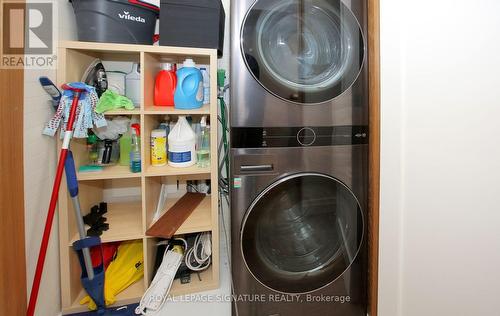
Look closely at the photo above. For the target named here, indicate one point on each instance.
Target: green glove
(111, 101)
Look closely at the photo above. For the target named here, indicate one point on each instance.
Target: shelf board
(125, 221)
(171, 171)
(109, 172)
(130, 295)
(136, 111)
(169, 110)
(207, 283)
(131, 48)
(199, 221)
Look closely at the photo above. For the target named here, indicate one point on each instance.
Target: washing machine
(299, 218)
(299, 157)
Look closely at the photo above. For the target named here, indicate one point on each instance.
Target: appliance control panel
(304, 136)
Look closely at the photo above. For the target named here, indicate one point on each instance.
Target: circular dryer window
(303, 51)
(302, 233)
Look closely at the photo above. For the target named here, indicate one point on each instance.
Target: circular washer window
(302, 233)
(303, 51)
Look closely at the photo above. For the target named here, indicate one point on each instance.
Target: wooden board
(12, 239)
(374, 155)
(174, 217)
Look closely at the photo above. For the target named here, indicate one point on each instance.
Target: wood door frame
(374, 155)
(13, 293)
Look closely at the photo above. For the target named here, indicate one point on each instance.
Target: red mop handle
(53, 202)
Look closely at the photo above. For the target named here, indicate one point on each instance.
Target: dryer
(298, 63)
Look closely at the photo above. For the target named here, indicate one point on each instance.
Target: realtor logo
(27, 29)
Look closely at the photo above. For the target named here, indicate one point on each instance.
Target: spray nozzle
(136, 128)
(203, 122)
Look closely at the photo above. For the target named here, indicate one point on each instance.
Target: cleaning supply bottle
(135, 152)
(206, 84)
(181, 144)
(165, 85)
(158, 147)
(125, 148)
(133, 85)
(189, 92)
(203, 144)
(166, 126)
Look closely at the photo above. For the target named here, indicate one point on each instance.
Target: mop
(55, 194)
(75, 110)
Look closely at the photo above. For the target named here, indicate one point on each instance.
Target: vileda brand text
(126, 16)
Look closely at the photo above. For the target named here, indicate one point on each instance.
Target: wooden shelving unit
(130, 219)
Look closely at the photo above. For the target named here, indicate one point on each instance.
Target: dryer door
(302, 233)
(303, 51)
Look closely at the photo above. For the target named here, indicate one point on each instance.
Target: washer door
(302, 233)
(303, 51)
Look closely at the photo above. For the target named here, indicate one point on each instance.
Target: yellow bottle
(158, 147)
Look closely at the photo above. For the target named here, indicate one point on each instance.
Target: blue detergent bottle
(189, 91)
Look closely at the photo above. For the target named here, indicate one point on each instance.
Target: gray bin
(115, 21)
(192, 23)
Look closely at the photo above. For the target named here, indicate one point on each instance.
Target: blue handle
(69, 166)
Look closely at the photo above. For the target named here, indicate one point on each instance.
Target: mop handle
(72, 184)
(52, 206)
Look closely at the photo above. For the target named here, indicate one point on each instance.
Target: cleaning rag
(86, 116)
(111, 100)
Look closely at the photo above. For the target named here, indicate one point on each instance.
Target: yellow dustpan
(126, 269)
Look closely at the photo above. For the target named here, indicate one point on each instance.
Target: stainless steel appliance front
(298, 63)
(299, 230)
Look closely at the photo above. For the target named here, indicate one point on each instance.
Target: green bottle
(125, 148)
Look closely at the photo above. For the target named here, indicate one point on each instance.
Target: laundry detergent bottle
(189, 91)
(166, 81)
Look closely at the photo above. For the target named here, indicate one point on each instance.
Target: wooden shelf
(125, 223)
(136, 111)
(109, 172)
(128, 221)
(171, 171)
(130, 295)
(207, 283)
(199, 221)
(131, 48)
(169, 110)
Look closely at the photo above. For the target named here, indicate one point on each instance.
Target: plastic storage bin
(115, 21)
(192, 23)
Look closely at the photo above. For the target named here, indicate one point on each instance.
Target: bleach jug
(133, 85)
(182, 144)
(165, 84)
(189, 91)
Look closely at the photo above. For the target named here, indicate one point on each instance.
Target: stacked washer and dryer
(299, 157)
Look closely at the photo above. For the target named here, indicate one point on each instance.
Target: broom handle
(52, 207)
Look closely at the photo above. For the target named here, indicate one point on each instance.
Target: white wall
(440, 219)
(40, 159)
(39, 168)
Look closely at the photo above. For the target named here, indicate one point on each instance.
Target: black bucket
(115, 21)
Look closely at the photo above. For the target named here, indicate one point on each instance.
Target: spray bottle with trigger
(135, 152)
(203, 144)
